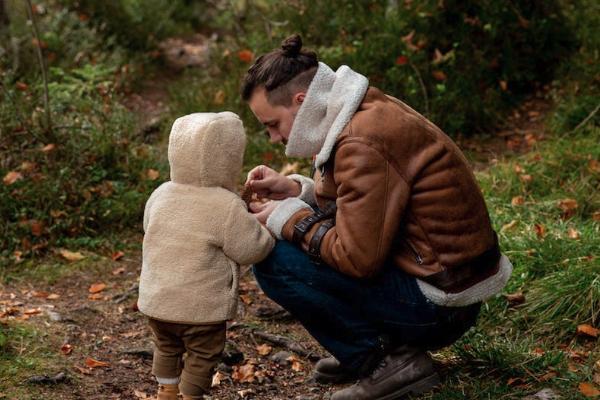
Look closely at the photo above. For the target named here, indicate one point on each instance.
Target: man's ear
(299, 97)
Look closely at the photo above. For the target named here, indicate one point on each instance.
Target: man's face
(277, 119)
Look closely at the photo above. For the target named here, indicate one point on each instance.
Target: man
(388, 251)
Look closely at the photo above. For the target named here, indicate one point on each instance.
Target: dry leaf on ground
(71, 255)
(264, 349)
(244, 373)
(116, 256)
(12, 177)
(152, 174)
(92, 363)
(587, 330)
(66, 349)
(588, 390)
(97, 287)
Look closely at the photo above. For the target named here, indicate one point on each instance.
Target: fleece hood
(207, 149)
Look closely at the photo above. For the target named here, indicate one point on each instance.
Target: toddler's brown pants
(203, 345)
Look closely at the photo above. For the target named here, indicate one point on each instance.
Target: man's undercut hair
(282, 72)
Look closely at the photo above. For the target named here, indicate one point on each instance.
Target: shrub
(86, 176)
(460, 62)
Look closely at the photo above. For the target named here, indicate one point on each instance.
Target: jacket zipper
(418, 257)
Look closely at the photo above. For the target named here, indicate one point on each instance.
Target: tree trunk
(4, 20)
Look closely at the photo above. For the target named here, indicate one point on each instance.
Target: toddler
(197, 233)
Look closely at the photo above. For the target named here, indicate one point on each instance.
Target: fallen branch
(119, 298)
(287, 343)
(142, 352)
(47, 380)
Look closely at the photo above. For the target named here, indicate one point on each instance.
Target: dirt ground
(106, 348)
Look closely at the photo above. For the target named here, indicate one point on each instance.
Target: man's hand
(262, 211)
(267, 183)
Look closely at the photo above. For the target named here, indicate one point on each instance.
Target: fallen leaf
(40, 294)
(22, 86)
(152, 174)
(32, 311)
(503, 85)
(439, 75)
(247, 299)
(597, 378)
(66, 349)
(217, 378)
(219, 97)
(588, 390)
(573, 233)
(517, 201)
(401, 60)
(118, 271)
(245, 56)
(526, 178)
(140, 394)
(97, 287)
(48, 148)
(53, 296)
(509, 226)
(71, 255)
(244, 373)
(514, 381)
(82, 370)
(586, 329)
(37, 228)
(596, 216)
(515, 298)
(518, 169)
(568, 206)
(96, 296)
(12, 177)
(92, 363)
(116, 256)
(540, 230)
(547, 376)
(594, 166)
(296, 364)
(263, 349)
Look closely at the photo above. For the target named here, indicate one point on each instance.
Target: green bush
(87, 176)
(463, 63)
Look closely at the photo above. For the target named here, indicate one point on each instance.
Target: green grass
(24, 352)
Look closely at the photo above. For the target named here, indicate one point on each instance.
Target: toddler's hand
(262, 211)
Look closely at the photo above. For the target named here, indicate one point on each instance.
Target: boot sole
(325, 378)
(415, 388)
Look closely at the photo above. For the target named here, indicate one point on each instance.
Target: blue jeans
(353, 318)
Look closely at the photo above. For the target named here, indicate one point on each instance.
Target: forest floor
(82, 337)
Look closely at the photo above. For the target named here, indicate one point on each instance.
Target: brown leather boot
(329, 370)
(167, 392)
(406, 370)
(186, 397)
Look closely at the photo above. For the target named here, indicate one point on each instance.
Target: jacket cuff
(282, 213)
(308, 188)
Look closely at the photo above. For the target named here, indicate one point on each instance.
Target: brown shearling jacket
(404, 192)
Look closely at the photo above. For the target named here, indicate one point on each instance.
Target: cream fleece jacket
(197, 230)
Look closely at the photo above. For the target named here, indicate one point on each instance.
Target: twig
(423, 88)
(42, 65)
(124, 296)
(287, 343)
(585, 121)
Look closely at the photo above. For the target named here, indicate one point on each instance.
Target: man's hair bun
(292, 45)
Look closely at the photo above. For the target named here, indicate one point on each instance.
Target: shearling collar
(331, 101)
